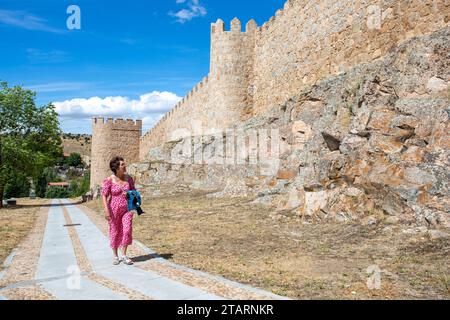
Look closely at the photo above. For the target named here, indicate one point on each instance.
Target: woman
(120, 220)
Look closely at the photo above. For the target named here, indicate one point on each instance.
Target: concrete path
(58, 273)
(57, 260)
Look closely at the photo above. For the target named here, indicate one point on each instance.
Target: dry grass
(80, 145)
(16, 223)
(253, 245)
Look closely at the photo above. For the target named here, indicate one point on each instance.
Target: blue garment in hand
(134, 201)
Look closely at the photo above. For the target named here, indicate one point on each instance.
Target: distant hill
(77, 143)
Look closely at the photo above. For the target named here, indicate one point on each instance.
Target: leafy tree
(80, 186)
(55, 192)
(74, 160)
(18, 186)
(72, 174)
(29, 135)
(74, 188)
(85, 184)
(47, 175)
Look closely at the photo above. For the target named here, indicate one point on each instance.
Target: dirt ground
(253, 245)
(16, 223)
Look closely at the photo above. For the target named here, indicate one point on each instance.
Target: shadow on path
(19, 206)
(147, 257)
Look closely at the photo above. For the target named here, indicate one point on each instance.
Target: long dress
(121, 220)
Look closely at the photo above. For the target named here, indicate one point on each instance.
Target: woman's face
(122, 168)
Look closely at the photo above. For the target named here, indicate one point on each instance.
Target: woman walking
(120, 220)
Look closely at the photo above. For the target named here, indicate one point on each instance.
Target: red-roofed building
(58, 184)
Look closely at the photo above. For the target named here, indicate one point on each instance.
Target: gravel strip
(211, 286)
(82, 261)
(28, 293)
(131, 294)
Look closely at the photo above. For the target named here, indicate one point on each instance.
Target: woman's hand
(107, 215)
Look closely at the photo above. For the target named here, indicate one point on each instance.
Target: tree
(18, 186)
(74, 189)
(29, 135)
(85, 183)
(55, 192)
(74, 160)
(47, 175)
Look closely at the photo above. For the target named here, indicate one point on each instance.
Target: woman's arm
(131, 183)
(105, 208)
(106, 191)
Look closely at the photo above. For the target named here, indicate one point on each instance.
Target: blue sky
(132, 59)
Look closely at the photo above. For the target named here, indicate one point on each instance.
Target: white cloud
(194, 9)
(25, 20)
(53, 56)
(58, 86)
(150, 107)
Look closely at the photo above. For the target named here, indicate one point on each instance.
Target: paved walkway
(58, 272)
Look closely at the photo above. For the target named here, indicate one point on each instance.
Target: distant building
(58, 184)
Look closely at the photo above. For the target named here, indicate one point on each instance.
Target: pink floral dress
(120, 224)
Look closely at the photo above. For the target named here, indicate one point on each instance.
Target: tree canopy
(29, 135)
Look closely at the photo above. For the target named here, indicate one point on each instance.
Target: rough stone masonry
(355, 93)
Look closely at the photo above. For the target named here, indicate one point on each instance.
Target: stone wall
(310, 40)
(113, 138)
(359, 93)
(187, 115)
(370, 144)
(306, 41)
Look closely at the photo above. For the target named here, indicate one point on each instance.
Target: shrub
(55, 192)
(48, 175)
(74, 160)
(73, 189)
(17, 187)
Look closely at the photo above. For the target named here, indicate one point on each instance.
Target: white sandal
(127, 260)
(116, 261)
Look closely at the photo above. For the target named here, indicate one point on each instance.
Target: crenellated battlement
(132, 124)
(218, 28)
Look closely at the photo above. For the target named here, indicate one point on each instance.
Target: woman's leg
(127, 232)
(115, 234)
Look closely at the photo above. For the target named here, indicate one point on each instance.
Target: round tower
(113, 138)
(231, 72)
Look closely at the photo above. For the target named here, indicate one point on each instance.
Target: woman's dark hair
(114, 164)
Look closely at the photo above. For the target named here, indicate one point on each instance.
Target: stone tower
(231, 72)
(113, 138)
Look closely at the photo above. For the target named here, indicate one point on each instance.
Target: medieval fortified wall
(358, 91)
(262, 67)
